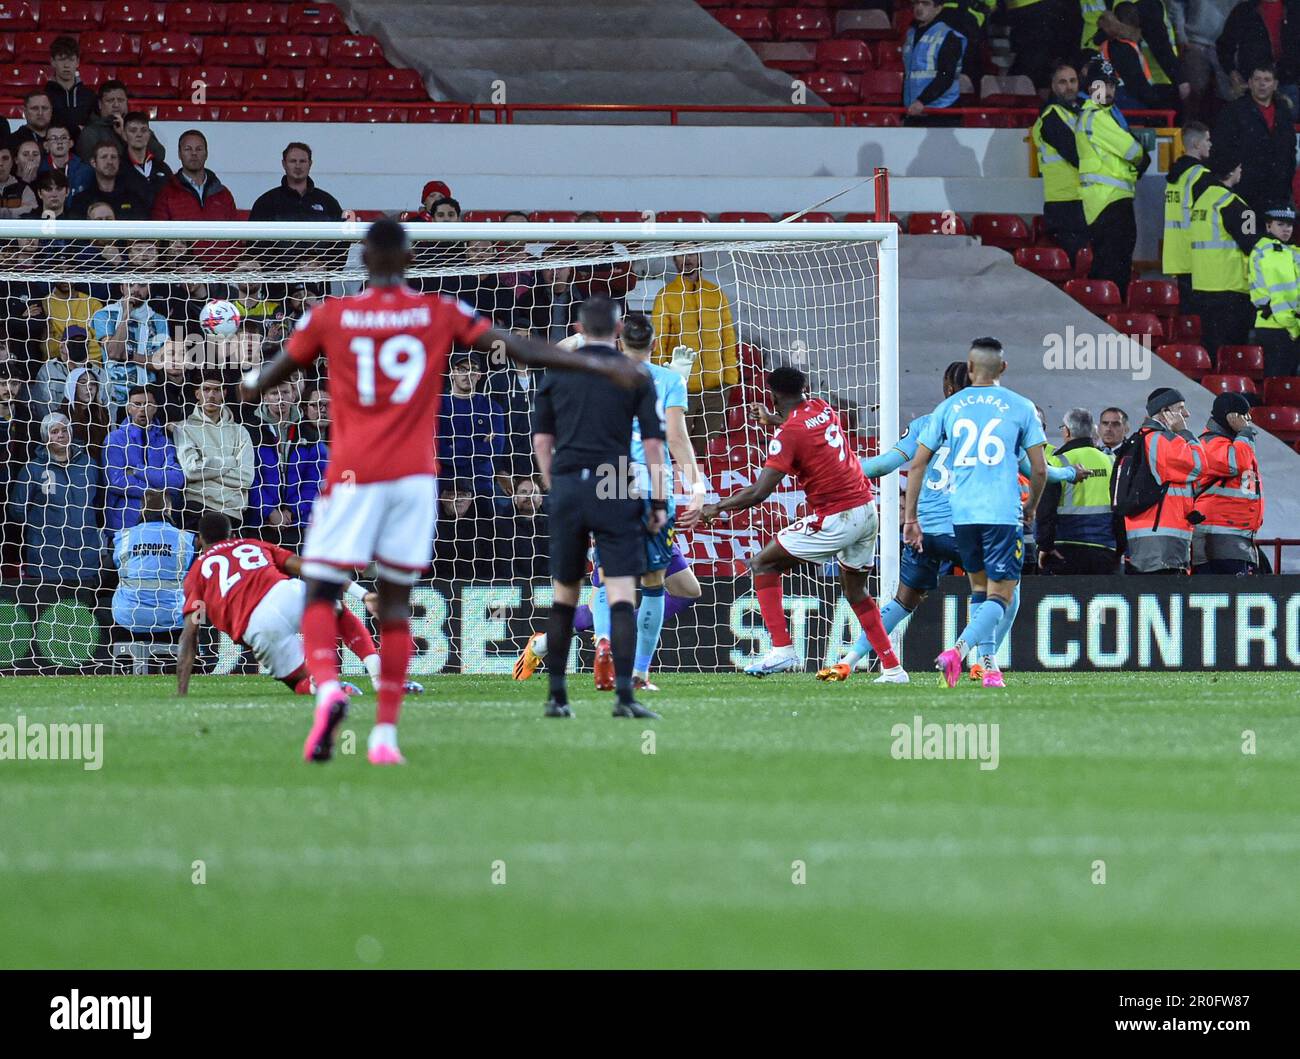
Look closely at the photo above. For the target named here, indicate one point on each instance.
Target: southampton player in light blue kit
(985, 426)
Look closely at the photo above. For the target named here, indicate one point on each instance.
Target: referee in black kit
(582, 435)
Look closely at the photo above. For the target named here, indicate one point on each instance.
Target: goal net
(120, 421)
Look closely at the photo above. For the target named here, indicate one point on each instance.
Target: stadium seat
(110, 48)
(623, 217)
(1282, 421)
(397, 86)
(324, 111)
(1229, 384)
(19, 78)
(181, 112)
(792, 56)
(835, 87)
(990, 119)
(1008, 92)
(883, 119)
(33, 48)
(863, 25)
(1159, 296)
(18, 17)
(220, 82)
(1282, 389)
(747, 24)
(250, 112)
(1241, 360)
(1050, 262)
(803, 23)
(744, 217)
(1136, 325)
(681, 217)
(325, 19)
(1094, 294)
(928, 223)
(69, 16)
(812, 217)
(259, 19)
(1186, 329)
(151, 82)
(553, 216)
(379, 115)
(355, 52)
(852, 56)
(482, 216)
(195, 18)
(1083, 262)
(342, 86)
(1191, 360)
(370, 215)
(883, 87)
(888, 55)
(262, 85)
(295, 52)
(171, 49)
(457, 113)
(6, 48)
(226, 50)
(1005, 230)
(133, 16)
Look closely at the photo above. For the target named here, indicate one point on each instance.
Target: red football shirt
(811, 446)
(230, 579)
(387, 350)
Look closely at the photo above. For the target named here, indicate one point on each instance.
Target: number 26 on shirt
(991, 449)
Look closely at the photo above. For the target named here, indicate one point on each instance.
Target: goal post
(820, 296)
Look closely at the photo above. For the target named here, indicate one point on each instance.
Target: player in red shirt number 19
(386, 350)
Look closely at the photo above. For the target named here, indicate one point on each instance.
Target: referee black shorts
(576, 513)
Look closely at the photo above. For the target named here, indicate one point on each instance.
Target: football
(219, 318)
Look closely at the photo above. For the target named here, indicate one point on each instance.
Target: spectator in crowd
(109, 124)
(443, 209)
(1042, 32)
(1203, 22)
(1074, 525)
(16, 196)
(250, 295)
(50, 384)
(144, 173)
(65, 306)
(1176, 255)
(101, 256)
(1159, 539)
(433, 191)
(297, 198)
(613, 279)
(129, 330)
(185, 301)
(1274, 273)
(1110, 163)
(215, 454)
(86, 411)
(27, 162)
(1058, 160)
(463, 549)
(52, 191)
(967, 17)
(1231, 500)
(305, 467)
(1259, 130)
(932, 60)
(274, 436)
(471, 427)
(152, 559)
(523, 534)
(55, 498)
(1261, 33)
(1222, 236)
(1163, 67)
(73, 101)
(15, 423)
(299, 296)
(138, 456)
(551, 302)
(194, 193)
(38, 113)
(1121, 46)
(512, 389)
(1112, 429)
(693, 311)
(172, 384)
(112, 186)
(59, 157)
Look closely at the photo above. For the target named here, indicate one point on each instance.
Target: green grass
(683, 858)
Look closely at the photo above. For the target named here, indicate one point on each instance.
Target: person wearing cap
(1259, 129)
(1229, 496)
(471, 427)
(932, 57)
(1176, 254)
(1160, 538)
(1223, 233)
(1274, 273)
(49, 386)
(434, 191)
(1058, 161)
(1121, 46)
(1073, 524)
(1110, 162)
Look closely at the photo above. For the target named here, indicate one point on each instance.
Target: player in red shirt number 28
(810, 444)
(386, 351)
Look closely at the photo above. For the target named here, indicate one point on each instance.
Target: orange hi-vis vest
(1176, 461)
(1229, 494)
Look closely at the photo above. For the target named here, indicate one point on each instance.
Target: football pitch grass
(771, 827)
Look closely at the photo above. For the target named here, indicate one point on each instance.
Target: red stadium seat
(1083, 262)
(1050, 262)
(261, 19)
(262, 85)
(295, 52)
(623, 217)
(370, 215)
(219, 82)
(324, 19)
(195, 17)
(1008, 92)
(483, 216)
(133, 16)
(744, 217)
(1191, 360)
(813, 217)
(20, 78)
(324, 111)
(945, 223)
(443, 115)
(884, 87)
(379, 115)
(1229, 384)
(69, 16)
(863, 25)
(171, 49)
(885, 119)
(1004, 230)
(397, 86)
(182, 112)
(747, 24)
(553, 216)
(110, 48)
(151, 82)
(1186, 329)
(1136, 325)
(681, 217)
(6, 48)
(852, 56)
(1094, 294)
(1159, 296)
(342, 86)
(225, 50)
(1281, 421)
(250, 112)
(991, 119)
(18, 17)
(792, 56)
(34, 48)
(835, 87)
(1283, 389)
(888, 55)
(803, 23)
(1241, 360)
(355, 52)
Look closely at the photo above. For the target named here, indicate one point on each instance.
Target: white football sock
(383, 735)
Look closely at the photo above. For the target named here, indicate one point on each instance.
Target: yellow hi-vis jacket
(1176, 258)
(1108, 159)
(1274, 272)
(1218, 263)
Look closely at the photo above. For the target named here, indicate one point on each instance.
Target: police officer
(1110, 162)
(932, 54)
(1274, 273)
(582, 434)
(1223, 233)
(1229, 496)
(152, 559)
(1075, 528)
(1058, 161)
(1176, 257)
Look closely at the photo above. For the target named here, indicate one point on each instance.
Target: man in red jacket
(1229, 494)
(194, 193)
